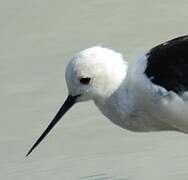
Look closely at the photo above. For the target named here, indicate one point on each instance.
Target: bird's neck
(118, 105)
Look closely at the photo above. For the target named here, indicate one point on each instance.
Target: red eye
(85, 80)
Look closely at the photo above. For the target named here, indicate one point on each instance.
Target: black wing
(167, 65)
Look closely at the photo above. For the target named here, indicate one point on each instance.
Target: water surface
(37, 39)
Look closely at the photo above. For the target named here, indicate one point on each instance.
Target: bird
(151, 94)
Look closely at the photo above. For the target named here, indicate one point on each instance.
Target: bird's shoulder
(167, 65)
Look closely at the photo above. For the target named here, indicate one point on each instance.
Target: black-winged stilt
(148, 95)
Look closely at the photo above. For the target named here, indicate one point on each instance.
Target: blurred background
(37, 38)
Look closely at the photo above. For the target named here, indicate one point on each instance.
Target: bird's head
(92, 74)
(95, 73)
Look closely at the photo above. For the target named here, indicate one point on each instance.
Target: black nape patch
(167, 65)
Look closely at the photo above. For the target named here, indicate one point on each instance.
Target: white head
(94, 73)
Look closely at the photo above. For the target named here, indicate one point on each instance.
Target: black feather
(167, 65)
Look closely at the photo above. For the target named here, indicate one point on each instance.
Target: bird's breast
(133, 119)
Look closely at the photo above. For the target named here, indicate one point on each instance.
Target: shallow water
(37, 39)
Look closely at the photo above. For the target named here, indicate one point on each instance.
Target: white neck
(116, 106)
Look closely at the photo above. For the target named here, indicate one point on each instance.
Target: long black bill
(69, 102)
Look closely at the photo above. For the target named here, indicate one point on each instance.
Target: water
(37, 39)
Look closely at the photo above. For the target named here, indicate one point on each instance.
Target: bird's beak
(69, 102)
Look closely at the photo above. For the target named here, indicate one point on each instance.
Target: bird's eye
(85, 81)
